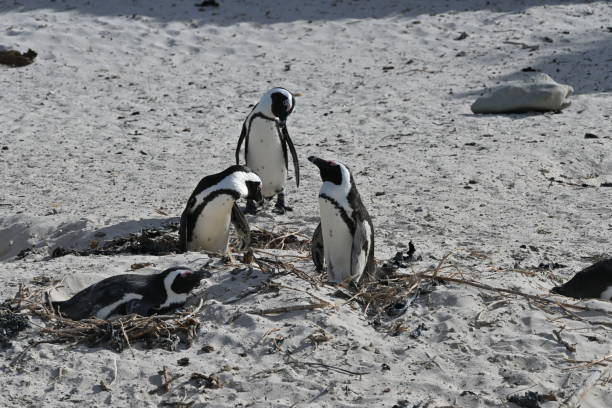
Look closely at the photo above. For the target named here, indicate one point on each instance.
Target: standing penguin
(212, 206)
(131, 293)
(265, 137)
(344, 239)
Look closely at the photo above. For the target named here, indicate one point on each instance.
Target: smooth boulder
(536, 92)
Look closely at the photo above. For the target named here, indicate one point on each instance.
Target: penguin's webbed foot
(280, 207)
(251, 207)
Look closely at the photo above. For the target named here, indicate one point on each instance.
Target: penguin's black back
(190, 215)
(213, 179)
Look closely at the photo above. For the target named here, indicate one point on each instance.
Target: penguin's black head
(254, 190)
(283, 103)
(184, 280)
(330, 170)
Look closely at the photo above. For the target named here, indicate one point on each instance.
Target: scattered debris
(416, 332)
(136, 266)
(167, 379)
(208, 3)
(462, 36)
(531, 399)
(11, 324)
(17, 59)
(400, 259)
(548, 266)
(590, 136)
(207, 348)
(203, 381)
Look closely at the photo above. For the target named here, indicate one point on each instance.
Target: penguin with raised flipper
(344, 239)
(130, 293)
(594, 281)
(266, 139)
(212, 206)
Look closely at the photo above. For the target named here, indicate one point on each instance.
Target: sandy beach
(130, 103)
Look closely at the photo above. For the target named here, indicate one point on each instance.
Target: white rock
(536, 92)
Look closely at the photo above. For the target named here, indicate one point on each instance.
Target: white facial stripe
(340, 192)
(606, 294)
(171, 296)
(235, 181)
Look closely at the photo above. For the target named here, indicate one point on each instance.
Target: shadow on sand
(272, 11)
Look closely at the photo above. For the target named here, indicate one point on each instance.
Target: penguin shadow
(154, 236)
(126, 228)
(237, 285)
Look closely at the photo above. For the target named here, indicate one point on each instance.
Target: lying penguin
(594, 281)
(265, 137)
(130, 293)
(212, 206)
(344, 239)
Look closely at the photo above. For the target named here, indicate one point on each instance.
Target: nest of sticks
(159, 331)
(284, 240)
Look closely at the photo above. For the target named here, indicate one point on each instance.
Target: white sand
(79, 159)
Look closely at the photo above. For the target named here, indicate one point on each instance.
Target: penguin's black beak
(320, 163)
(558, 290)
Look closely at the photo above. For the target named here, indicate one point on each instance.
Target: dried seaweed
(164, 241)
(530, 399)
(11, 324)
(151, 241)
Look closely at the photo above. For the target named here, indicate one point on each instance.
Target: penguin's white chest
(211, 230)
(265, 156)
(337, 242)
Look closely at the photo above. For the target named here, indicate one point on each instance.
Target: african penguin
(594, 281)
(344, 239)
(212, 206)
(130, 293)
(265, 137)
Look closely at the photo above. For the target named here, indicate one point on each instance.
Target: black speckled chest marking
(347, 220)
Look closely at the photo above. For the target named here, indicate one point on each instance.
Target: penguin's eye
(331, 163)
(287, 105)
(186, 273)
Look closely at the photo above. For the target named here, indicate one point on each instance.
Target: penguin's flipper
(317, 249)
(241, 224)
(296, 164)
(361, 248)
(243, 135)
